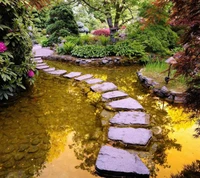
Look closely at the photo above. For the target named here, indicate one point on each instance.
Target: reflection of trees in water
(189, 171)
(86, 147)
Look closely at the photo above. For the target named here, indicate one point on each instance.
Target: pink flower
(31, 73)
(3, 47)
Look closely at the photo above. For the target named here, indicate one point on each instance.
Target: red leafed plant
(99, 32)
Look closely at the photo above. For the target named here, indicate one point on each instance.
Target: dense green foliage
(156, 38)
(88, 51)
(61, 23)
(15, 41)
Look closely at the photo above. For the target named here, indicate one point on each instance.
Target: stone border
(164, 93)
(105, 61)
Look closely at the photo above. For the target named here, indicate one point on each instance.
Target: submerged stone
(33, 149)
(131, 136)
(42, 67)
(117, 162)
(130, 118)
(93, 81)
(104, 87)
(72, 74)
(57, 72)
(84, 77)
(125, 104)
(113, 95)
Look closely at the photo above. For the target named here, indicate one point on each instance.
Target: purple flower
(3, 47)
(31, 73)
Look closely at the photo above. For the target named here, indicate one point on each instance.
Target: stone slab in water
(104, 87)
(130, 136)
(125, 104)
(131, 118)
(49, 69)
(84, 77)
(118, 162)
(57, 72)
(72, 74)
(42, 67)
(113, 95)
(93, 81)
(38, 61)
(41, 64)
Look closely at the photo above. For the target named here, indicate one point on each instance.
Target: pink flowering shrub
(105, 32)
(3, 47)
(31, 73)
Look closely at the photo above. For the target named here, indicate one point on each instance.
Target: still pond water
(54, 131)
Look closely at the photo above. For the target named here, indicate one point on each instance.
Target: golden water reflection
(64, 126)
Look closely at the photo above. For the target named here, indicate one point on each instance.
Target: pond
(54, 130)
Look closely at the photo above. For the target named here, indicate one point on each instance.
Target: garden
(59, 111)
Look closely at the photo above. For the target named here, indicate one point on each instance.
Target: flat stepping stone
(118, 162)
(72, 74)
(104, 87)
(113, 95)
(42, 67)
(131, 118)
(93, 81)
(57, 72)
(41, 64)
(49, 69)
(84, 77)
(38, 61)
(125, 104)
(130, 136)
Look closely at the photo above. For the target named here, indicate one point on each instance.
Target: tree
(61, 23)
(116, 12)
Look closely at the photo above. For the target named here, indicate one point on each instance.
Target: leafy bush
(156, 38)
(89, 51)
(66, 48)
(61, 23)
(129, 48)
(104, 40)
(15, 48)
(105, 32)
(87, 40)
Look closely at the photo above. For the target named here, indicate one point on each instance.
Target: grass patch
(157, 71)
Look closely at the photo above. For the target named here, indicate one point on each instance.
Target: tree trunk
(112, 30)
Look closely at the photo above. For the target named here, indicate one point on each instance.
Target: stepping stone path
(72, 74)
(93, 81)
(49, 69)
(113, 95)
(131, 118)
(125, 104)
(84, 77)
(57, 72)
(130, 135)
(113, 161)
(104, 87)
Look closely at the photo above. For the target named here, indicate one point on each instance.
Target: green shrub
(72, 39)
(61, 23)
(110, 50)
(129, 48)
(66, 48)
(87, 40)
(104, 40)
(90, 51)
(156, 38)
(16, 67)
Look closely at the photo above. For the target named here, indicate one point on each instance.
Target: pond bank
(106, 61)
